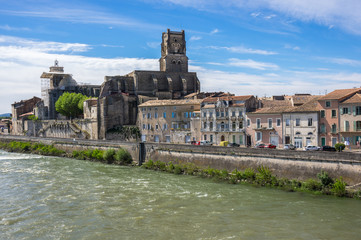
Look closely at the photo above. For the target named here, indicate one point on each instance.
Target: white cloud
(43, 46)
(338, 13)
(270, 16)
(249, 63)
(344, 61)
(241, 49)
(214, 31)
(22, 64)
(8, 28)
(153, 44)
(81, 16)
(296, 48)
(195, 38)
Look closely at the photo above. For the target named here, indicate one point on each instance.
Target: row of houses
(301, 119)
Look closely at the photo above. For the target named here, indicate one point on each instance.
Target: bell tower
(174, 58)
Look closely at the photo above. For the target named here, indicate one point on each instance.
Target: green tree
(70, 104)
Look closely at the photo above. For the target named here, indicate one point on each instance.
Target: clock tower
(174, 58)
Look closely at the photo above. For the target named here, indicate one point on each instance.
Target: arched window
(298, 133)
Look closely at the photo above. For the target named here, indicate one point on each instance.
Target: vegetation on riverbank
(262, 176)
(110, 156)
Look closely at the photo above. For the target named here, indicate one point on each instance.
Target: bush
(108, 156)
(312, 185)
(123, 156)
(340, 146)
(325, 179)
(264, 175)
(149, 164)
(97, 154)
(339, 187)
(249, 174)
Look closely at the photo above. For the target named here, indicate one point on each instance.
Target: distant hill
(5, 115)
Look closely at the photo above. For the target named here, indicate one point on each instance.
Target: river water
(59, 198)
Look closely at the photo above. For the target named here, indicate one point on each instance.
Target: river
(59, 198)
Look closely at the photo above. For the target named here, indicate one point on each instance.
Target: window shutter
(349, 110)
(354, 110)
(341, 110)
(354, 126)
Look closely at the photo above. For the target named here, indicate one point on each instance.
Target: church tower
(174, 58)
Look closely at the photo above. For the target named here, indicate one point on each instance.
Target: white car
(205, 143)
(312, 148)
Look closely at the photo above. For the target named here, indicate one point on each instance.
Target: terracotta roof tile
(310, 106)
(340, 94)
(354, 99)
(171, 102)
(276, 103)
(229, 98)
(272, 110)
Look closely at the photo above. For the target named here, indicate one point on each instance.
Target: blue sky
(245, 47)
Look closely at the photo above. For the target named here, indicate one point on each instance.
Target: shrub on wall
(340, 146)
(109, 155)
(123, 156)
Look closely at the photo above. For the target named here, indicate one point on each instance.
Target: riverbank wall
(289, 164)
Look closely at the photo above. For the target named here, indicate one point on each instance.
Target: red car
(270, 146)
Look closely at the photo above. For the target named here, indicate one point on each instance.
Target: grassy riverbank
(110, 156)
(261, 176)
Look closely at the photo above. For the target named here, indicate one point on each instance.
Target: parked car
(205, 143)
(233, 145)
(312, 148)
(328, 148)
(289, 146)
(270, 145)
(260, 145)
(195, 142)
(223, 143)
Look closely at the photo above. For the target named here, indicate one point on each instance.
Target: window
(298, 122)
(240, 114)
(155, 115)
(358, 125)
(185, 114)
(226, 113)
(346, 126)
(334, 141)
(322, 113)
(156, 127)
(270, 123)
(241, 140)
(204, 114)
(323, 128)
(258, 121)
(164, 115)
(222, 114)
(205, 125)
(345, 110)
(333, 113)
(358, 110)
(210, 114)
(149, 127)
(309, 122)
(217, 113)
(211, 138)
(287, 140)
(144, 115)
(328, 104)
(165, 126)
(240, 125)
(248, 122)
(144, 127)
(211, 126)
(205, 137)
(287, 122)
(233, 114)
(149, 115)
(234, 138)
(174, 114)
(258, 136)
(233, 126)
(175, 125)
(323, 141)
(278, 122)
